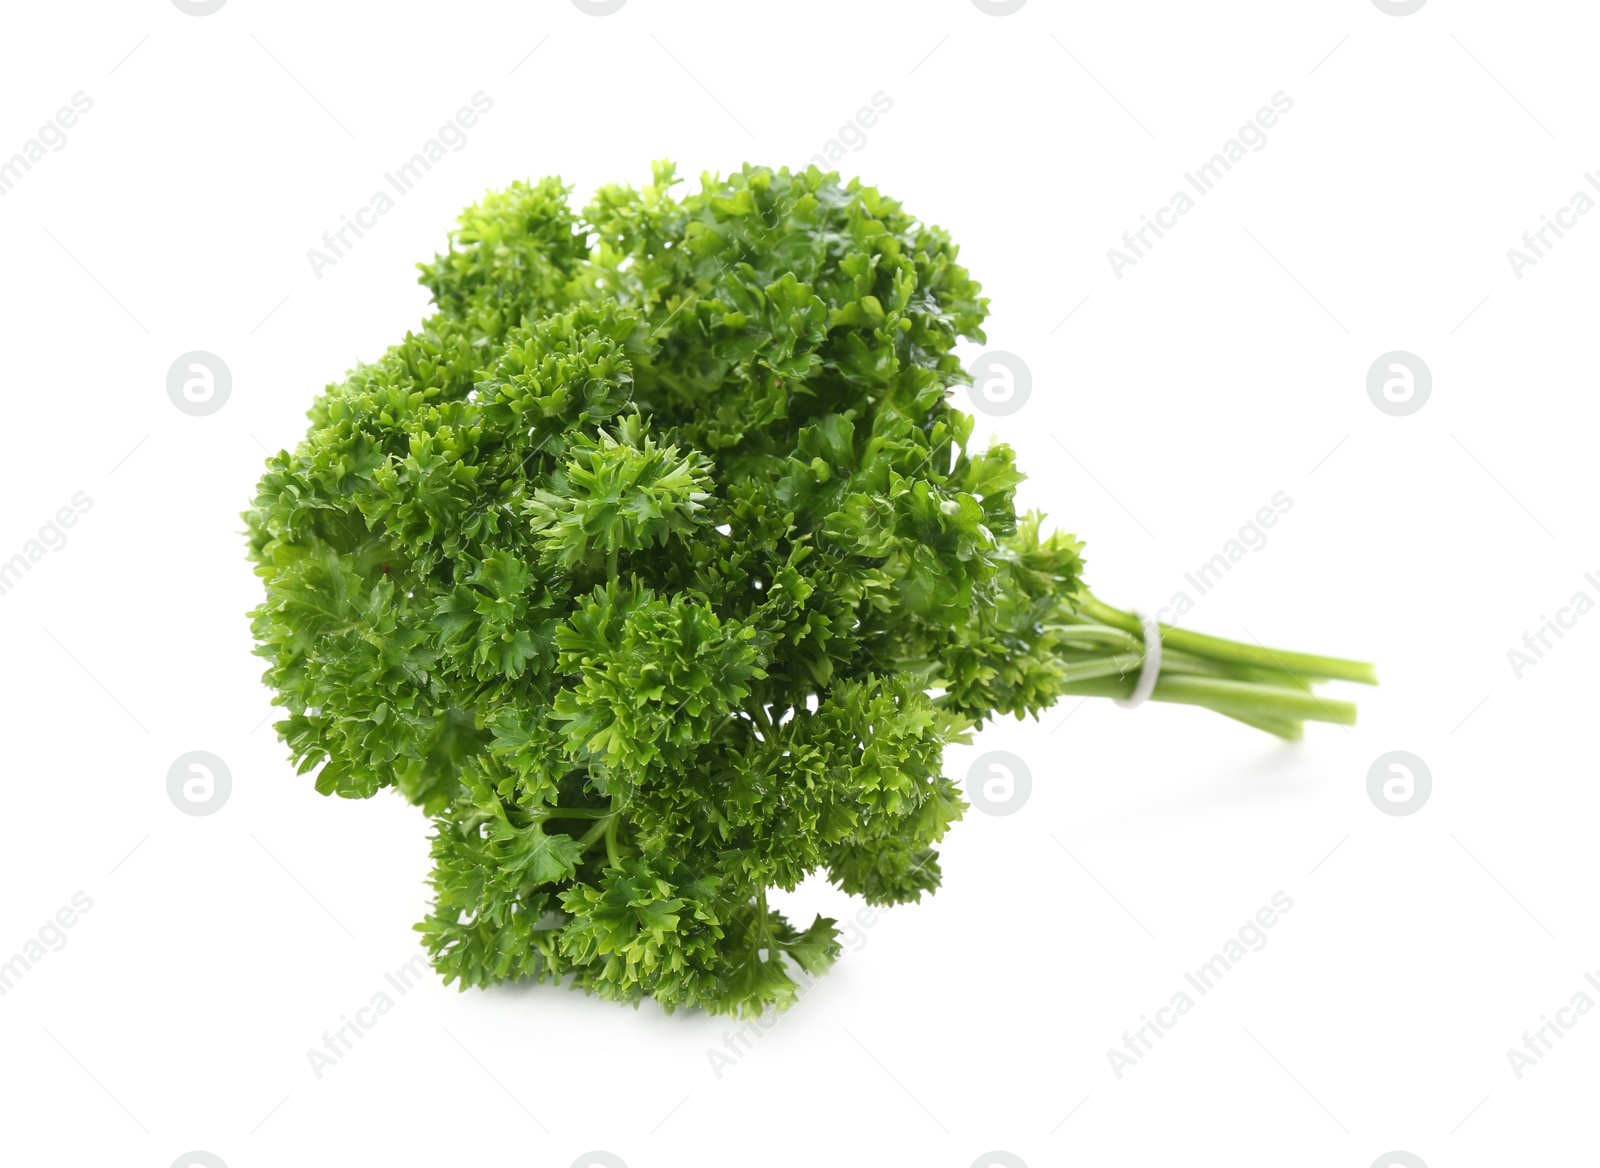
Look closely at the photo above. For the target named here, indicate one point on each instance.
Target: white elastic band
(1150, 669)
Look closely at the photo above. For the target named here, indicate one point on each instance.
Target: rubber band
(1149, 669)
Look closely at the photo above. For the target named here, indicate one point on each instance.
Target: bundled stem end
(1271, 689)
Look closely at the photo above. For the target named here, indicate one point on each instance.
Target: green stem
(611, 842)
(763, 923)
(1227, 697)
(1101, 650)
(587, 840)
(1216, 648)
(759, 715)
(1287, 730)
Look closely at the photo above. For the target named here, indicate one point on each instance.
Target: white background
(1223, 367)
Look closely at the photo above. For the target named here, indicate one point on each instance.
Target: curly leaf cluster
(655, 569)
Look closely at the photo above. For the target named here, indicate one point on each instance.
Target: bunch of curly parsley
(655, 568)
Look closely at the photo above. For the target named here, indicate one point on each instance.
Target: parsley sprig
(656, 569)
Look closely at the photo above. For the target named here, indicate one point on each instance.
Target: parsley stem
(763, 929)
(611, 842)
(1100, 650)
(587, 840)
(1226, 696)
(1217, 648)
